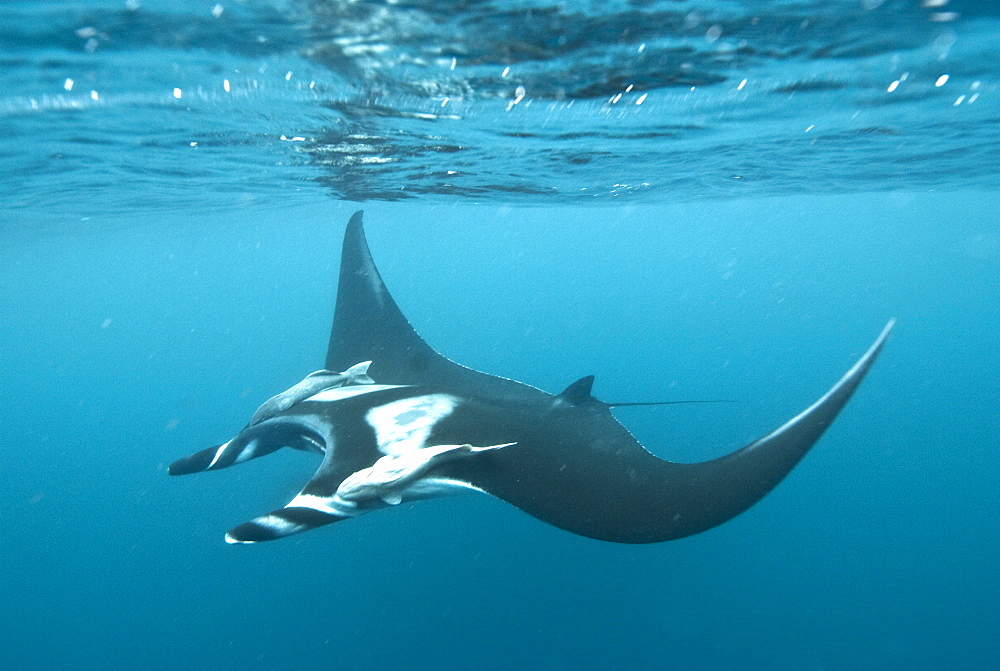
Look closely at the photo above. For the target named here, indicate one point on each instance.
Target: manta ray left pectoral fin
(367, 324)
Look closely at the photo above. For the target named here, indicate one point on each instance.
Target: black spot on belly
(409, 416)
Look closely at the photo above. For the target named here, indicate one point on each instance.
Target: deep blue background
(125, 344)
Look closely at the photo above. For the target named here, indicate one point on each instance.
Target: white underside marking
(403, 426)
(278, 524)
(390, 477)
(333, 505)
(218, 453)
(340, 393)
(247, 452)
(426, 488)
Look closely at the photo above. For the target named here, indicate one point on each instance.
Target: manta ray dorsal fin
(369, 326)
(578, 392)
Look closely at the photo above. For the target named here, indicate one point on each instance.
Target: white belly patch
(405, 425)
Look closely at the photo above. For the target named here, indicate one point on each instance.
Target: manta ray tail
(634, 404)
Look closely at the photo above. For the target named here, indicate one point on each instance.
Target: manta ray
(402, 422)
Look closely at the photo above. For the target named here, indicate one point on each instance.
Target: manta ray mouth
(272, 435)
(310, 441)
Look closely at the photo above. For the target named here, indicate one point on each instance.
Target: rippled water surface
(527, 102)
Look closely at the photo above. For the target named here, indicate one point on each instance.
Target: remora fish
(312, 384)
(562, 458)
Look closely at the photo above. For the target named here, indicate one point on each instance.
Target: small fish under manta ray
(426, 426)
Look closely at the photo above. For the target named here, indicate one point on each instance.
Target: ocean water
(175, 182)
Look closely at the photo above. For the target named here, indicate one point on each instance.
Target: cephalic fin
(195, 463)
(279, 524)
(251, 443)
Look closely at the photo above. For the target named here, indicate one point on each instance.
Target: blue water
(154, 293)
